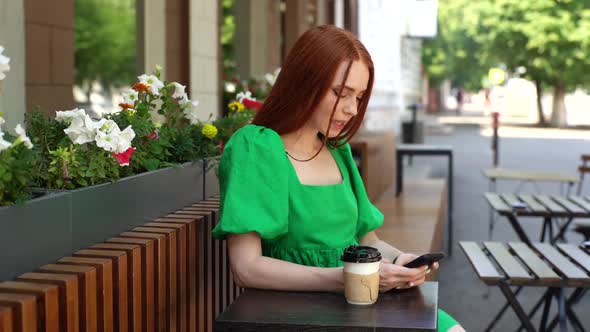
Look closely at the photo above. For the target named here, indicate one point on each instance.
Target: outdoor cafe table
(547, 207)
(414, 309)
(552, 267)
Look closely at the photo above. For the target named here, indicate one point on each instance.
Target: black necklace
(321, 137)
(302, 160)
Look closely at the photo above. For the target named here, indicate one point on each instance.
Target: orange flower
(140, 87)
(125, 106)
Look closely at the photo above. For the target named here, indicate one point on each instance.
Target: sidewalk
(462, 294)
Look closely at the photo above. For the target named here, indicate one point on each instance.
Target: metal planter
(53, 226)
(211, 181)
(34, 234)
(106, 210)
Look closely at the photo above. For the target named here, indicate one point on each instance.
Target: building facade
(184, 37)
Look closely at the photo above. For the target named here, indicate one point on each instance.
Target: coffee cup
(361, 274)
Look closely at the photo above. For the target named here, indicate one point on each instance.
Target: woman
(292, 197)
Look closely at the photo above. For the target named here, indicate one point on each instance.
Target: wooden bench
(415, 221)
(377, 160)
(446, 151)
(538, 265)
(167, 275)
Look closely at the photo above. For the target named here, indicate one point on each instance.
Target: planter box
(211, 181)
(107, 210)
(59, 223)
(34, 234)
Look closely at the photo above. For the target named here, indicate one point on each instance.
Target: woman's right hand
(396, 276)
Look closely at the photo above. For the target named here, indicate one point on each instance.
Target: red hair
(306, 77)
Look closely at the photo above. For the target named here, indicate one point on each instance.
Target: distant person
(460, 99)
(292, 198)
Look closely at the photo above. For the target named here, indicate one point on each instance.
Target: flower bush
(258, 87)
(80, 150)
(16, 156)
(156, 125)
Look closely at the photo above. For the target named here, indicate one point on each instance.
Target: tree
(228, 29)
(455, 53)
(105, 42)
(550, 38)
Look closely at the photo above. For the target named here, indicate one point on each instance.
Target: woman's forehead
(358, 76)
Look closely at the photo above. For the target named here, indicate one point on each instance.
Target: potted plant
(33, 230)
(122, 168)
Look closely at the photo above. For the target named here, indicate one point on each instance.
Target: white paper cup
(361, 274)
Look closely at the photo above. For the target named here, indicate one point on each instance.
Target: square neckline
(338, 165)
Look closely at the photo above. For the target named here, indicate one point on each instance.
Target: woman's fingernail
(397, 287)
(411, 284)
(428, 271)
(426, 267)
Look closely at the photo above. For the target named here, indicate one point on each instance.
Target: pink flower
(153, 135)
(252, 104)
(124, 157)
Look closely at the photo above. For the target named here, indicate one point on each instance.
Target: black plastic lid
(361, 254)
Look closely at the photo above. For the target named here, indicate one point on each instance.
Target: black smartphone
(426, 259)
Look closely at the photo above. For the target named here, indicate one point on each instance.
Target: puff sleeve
(253, 181)
(369, 217)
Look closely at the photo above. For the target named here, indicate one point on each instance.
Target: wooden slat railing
(167, 275)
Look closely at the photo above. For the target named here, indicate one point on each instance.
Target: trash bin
(413, 130)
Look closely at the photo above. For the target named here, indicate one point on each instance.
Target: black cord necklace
(301, 160)
(322, 138)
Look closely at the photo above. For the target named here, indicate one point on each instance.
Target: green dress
(304, 224)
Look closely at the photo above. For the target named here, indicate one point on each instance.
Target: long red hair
(306, 77)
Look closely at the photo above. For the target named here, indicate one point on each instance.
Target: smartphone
(519, 206)
(426, 259)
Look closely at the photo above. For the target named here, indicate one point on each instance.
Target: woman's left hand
(405, 258)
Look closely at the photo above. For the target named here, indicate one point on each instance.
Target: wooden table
(547, 207)
(538, 265)
(257, 310)
(524, 176)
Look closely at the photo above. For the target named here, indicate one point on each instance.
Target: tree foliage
(550, 39)
(228, 29)
(456, 53)
(105, 42)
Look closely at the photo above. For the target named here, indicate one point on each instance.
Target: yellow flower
(209, 131)
(236, 106)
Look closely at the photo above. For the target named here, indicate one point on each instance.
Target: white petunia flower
(244, 95)
(130, 97)
(4, 64)
(22, 137)
(179, 91)
(152, 82)
(190, 111)
(4, 144)
(125, 139)
(67, 116)
(83, 129)
(112, 139)
(271, 78)
(2, 121)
